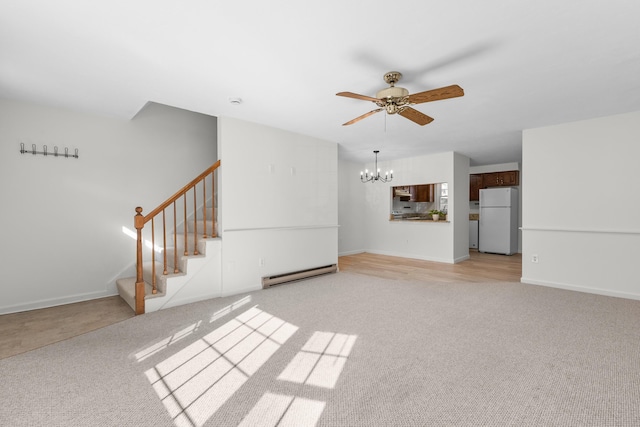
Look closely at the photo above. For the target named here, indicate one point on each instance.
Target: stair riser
(190, 243)
(200, 224)
(147, 273)
(171, 259)
(164, 283)
(159, 258)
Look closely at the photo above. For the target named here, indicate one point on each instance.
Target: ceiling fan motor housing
(392, 92)
(393, 99)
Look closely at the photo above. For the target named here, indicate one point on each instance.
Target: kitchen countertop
(424, 217)
(421, 220)
(414, 218)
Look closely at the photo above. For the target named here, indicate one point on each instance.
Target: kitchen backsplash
(412, 207)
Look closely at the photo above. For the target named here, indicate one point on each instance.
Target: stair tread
(127, 289)
(126, 286)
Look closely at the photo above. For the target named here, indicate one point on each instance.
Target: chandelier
(375, 174)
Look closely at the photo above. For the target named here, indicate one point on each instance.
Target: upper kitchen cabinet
(423, 193)
(493, 179)
(475, 184)
(416, 193)
(501, 179)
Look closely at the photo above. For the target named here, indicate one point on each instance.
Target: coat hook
(45, 151)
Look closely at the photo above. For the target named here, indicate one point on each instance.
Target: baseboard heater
(268, 281)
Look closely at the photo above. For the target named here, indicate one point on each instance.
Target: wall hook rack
(45, 151)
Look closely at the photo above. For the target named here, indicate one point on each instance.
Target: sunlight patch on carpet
(172, 339)
(279, 410)
(320, 362)
(183, 333)
(228, 309)
(195, 382)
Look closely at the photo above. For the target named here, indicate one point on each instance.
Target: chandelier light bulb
(375, 174)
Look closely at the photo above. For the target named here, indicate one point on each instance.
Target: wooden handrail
(140, 220)
(179, 194)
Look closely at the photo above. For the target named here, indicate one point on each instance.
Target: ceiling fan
(396, 100)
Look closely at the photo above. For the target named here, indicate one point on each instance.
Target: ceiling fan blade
(356, 96)
(446, 92)
(416, 116)
(364, 116)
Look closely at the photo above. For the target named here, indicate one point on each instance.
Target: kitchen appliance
(498, 228)
(473, 234)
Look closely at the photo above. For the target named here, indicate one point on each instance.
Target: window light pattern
(195, 382)
(320, 362)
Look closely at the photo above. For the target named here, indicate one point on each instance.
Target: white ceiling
(522, 64)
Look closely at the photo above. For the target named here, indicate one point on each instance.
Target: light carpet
(345, 350)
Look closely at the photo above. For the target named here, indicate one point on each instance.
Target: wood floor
(28, 330)
(21, 332)
(480, 267)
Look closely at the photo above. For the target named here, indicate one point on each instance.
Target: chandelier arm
(375, 174)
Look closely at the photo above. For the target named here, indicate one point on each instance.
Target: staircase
(180, 262)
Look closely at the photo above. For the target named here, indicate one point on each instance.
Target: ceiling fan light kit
(397, 100)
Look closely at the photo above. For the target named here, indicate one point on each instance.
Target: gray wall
(64, 220)
(278, 203)
(351, 210)
(364, 220)
(580, 206)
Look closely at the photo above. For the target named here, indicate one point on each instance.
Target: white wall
(580, 208)
(351, 209)
(460, 207)
(278, 203)
(63, 218)
(429, 241)
(495, 167)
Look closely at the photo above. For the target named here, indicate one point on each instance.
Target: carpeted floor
(345, 350)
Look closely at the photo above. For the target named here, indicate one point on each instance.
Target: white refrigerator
(498, 228)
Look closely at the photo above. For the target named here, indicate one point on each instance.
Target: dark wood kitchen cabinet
(475, 184)
(423, 193)
(501, 179)
(493, 179)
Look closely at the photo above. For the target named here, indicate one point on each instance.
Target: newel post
(138, 221)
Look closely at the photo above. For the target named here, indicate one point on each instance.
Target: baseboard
(54, 302)
(413, 256)
(462, 258)
(578, 288)
(447, 261)
(360, 251)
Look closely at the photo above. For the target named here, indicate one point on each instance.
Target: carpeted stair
(126, 286)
